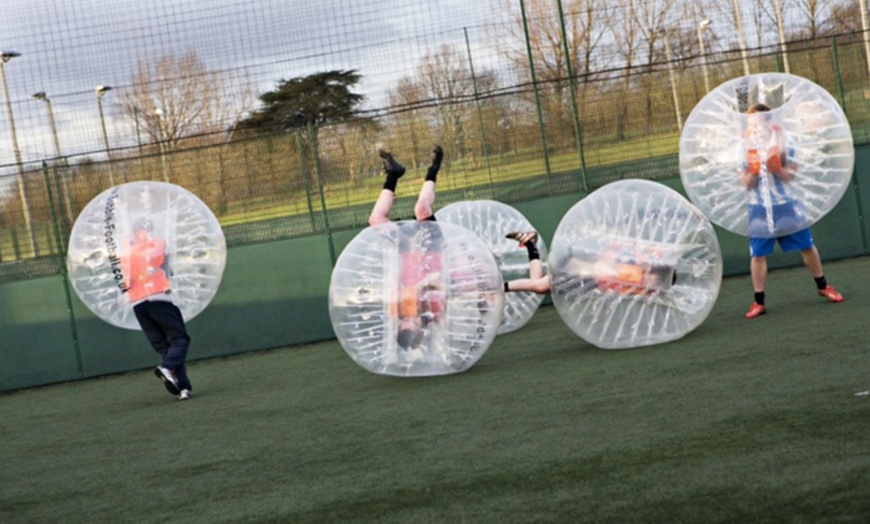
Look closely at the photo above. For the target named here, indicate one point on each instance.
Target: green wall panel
(36, 345)
(275, 294)
(861, 187)
(271, 295)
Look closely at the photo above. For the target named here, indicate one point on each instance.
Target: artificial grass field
(740, 421)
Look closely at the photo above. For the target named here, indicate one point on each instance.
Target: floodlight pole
(777, 5)
(865, 30)
(58, 156)
(701, 26)
(162, 143)
(738, 20)
(665, 35)
(101, 90)
(6, 56)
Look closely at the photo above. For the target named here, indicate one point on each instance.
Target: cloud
(68, 48)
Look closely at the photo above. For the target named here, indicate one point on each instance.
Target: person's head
(410, 333)
(757, 115)
(142, 229)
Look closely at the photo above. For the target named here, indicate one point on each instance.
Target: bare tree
(651, 20)
(586, 32)
(446, 78)
(845, 18)
(815, 13)
(175, 97)
(624, 25)
(579, 32)
(349, 144)
(410, 129)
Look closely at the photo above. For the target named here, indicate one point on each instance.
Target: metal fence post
(535, 89)
(484, 145)
(578, 128)
(60, 235)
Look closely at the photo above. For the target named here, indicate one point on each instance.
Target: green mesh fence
(191, 83)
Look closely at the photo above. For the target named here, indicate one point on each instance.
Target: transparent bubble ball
(99, 249)
(416, 298)
(491, 221)
(634, 264)
(772, 173)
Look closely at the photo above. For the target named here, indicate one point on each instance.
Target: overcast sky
(68, 47)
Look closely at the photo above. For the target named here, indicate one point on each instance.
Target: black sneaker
(437, 155)
(168, 378)
(522, 238)
(391, 167)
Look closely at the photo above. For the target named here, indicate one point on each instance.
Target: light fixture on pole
(704, 24)
(6, 56)
(664, 35)
(42, 96)
(101, 90)
(58, 157)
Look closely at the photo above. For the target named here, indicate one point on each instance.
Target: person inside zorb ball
(791, 164)
(415, 298)
(766, 155)
(149, 256)
(634, 264)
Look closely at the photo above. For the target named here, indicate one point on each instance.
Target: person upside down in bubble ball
(767, 151)
(147, 286)
(617, 269)
(419, 300)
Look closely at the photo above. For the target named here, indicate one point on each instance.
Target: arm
(747, 179)
(780, 167)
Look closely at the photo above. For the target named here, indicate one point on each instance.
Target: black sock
(759, 298)
(506, 288)
(432, 172)
(821, 282)
(391, 182)
(437, 156)
(533, 251)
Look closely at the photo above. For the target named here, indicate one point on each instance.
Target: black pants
(165, 330)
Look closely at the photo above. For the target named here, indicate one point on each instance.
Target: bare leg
(536, 283)
(381, 211)
(813, 261)
(536, 269)
(394, 171)
(423, 209)
(758, 266)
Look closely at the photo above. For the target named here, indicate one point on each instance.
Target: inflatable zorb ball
(491, 221)
(416, 298)
(634, 264)
(182, 250)
(770, 173)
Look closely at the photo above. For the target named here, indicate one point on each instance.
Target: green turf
(740, 421)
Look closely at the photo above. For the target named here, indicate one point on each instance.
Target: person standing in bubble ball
(765, 139)
(143, 264)
(421, 300)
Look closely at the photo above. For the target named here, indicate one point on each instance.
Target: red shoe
(756, 310)
(831, 294)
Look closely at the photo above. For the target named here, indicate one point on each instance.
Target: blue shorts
(800, 240)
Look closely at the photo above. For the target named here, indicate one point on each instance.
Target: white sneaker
(168, 378)
(185, 394)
